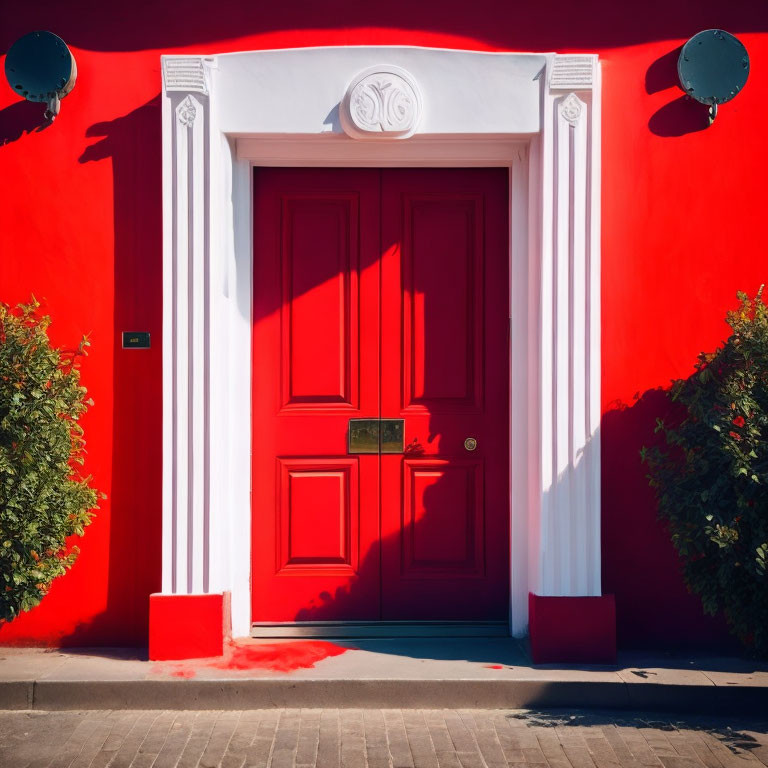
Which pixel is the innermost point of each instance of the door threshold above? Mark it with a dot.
(382, 629)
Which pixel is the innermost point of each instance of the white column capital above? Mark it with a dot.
(573, 72)
(187, 74)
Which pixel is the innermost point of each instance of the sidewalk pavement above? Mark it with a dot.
(372, 738)
(407, 673)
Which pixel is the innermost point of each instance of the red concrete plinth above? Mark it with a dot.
(572, 629)
(188, 626)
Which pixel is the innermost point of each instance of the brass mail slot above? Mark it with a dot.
(363, 435)
(392, 435)
(376, 435)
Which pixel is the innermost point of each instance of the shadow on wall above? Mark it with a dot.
(20, 118)
(640, 566)
(600, 23)
(653, 607)
(683, 114)
(434, 529)
(132, 142)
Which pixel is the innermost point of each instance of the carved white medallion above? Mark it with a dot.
(186, 112)
(571, 107)
(381, 102)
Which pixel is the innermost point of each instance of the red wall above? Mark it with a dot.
(80, 226)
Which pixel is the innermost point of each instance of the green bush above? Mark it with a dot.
(710, 474)
(43, 498)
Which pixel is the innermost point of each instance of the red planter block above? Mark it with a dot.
(188, 626)
(572, 629)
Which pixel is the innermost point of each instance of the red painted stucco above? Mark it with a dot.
(575, 630)
(188, 626)
(80, 227)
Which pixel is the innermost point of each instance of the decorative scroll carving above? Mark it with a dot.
(382, 101)
(571, 108)
(186, 112)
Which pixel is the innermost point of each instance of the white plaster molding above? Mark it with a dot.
(299, 91)
(186, 369)
(572, 72)
(381, 102)
(431, 152)
(185, 74)
(538, 115)
(568, 526)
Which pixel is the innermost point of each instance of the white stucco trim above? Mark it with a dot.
(536, 114)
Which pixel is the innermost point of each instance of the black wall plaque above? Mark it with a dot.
(135, 340)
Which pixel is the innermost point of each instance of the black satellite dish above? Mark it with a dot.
(713, 67)
(40, 67)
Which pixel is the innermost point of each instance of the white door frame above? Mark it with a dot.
(536, 114)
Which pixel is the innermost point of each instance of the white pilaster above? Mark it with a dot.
(185, 327)
(567, 547)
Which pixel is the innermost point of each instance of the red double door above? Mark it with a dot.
(380, 294)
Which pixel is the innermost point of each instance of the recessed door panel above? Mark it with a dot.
(320, 299)
(442, 261)
(318, 515)
(443, 519)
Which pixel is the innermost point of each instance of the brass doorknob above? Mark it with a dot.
(470, 443)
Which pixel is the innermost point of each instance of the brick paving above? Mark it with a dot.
(349, 738)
